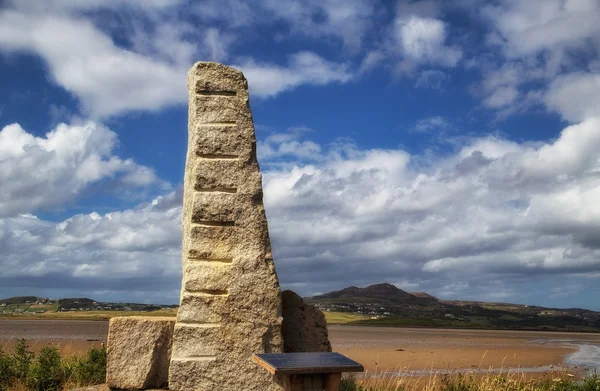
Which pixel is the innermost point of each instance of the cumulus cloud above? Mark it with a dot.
(44, 172)
(417, 37)
(132, 254)
(146, 69)
(494, 210)
(84, 60)
(423, 41)
(475, 223)
(528, 27)
(278, 146)
(267, 80)
(542, 42)
(576, 96)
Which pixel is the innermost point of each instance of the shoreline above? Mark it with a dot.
(102, 316)
(459, 350)
(396, 349)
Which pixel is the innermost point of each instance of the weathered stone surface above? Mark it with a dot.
(230, 298)
(104, 387)
(304, 326)
(138, 354)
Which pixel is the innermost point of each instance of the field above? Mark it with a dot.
(30, 308)
(343, 317)
(87, 315)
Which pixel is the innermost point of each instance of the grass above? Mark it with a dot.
(48, 371)
(30, 307)
(514, 381)
(343, 317)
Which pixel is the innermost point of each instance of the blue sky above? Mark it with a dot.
(451, 147)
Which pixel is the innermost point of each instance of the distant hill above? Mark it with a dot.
(83, 302)
(24, 300)
(33, 304)
(388, 305)
(424, 295)
(384, 294)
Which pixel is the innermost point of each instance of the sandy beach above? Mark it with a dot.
(377, 348)
(409, 349)
(70, 336)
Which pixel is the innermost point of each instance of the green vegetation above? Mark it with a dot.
(40, 308)
(20, 299)
(23, 371)
(343, 317)
(504, 382)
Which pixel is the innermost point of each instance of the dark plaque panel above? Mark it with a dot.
(309, 362)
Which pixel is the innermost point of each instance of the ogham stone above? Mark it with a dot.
(230, 297)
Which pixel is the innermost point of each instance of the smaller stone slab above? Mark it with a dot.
(138, 352)
(303, 363)
(304, 326)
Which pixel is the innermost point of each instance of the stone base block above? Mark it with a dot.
(139, 351)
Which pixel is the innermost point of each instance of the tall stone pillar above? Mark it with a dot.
(230, 296)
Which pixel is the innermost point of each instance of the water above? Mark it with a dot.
(587, 356)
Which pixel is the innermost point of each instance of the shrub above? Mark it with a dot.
(47, 373)
(50, 372)
(89, 370)
(6, 370)
(22, 359)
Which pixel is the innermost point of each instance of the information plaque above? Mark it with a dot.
(304, 363)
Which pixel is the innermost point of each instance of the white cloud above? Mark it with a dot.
(501, 97)
(107, 79)
(148, 70)
(417, 37)
(137, 251)
(346, 20)
(288, 145)
(266, 80)
(423, 41)
(432, 123)
(491, 213)
(432, 79)
(45, 172)
(528, 27)
(85, 5)
(576, 96)
(371, 60)
(217, 43)
(542, 43)
(494, 209)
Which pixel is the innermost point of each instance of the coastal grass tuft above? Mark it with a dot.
(461, 382)
(22, 370)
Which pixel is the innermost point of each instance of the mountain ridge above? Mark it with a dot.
(387, 304)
